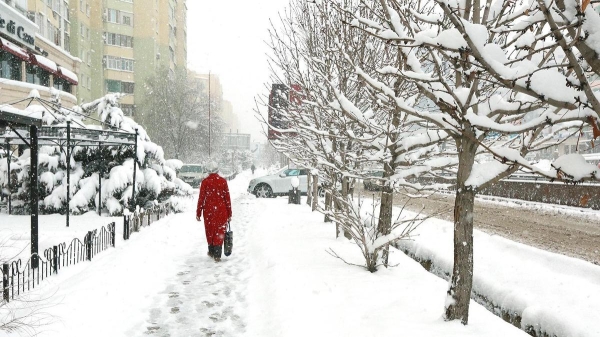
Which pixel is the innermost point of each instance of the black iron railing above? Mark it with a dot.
(133, 222)
(18, 278)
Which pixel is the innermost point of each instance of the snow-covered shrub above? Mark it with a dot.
(155, 178)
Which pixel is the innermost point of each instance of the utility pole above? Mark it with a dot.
(209, 123)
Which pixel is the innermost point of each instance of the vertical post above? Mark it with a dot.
(100, 191)
(209, 125)
(33, 185)
(8, 157)
(113, 234)
(135, 158)
(68, 171)
(5, 293)
(315, 191)
(125, 227)
(88, 244)
(55, 259)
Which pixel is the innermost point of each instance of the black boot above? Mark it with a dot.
(217, 253)
(210, 251)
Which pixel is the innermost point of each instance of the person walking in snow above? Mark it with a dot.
(215, 203)
(253, 168)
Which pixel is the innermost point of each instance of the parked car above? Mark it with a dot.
(278, 183)
(373, 184)
(192, 174)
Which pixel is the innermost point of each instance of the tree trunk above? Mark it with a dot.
(327, 205)
(384, 226)
(315, 188)
(339, 229)
(309, 192)
(459, 293)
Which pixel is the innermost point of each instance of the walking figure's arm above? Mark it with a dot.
(200, 206)
(227, 201)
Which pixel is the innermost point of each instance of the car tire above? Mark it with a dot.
(321, 192)
(263, 191)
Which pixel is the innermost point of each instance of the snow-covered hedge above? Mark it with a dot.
(155, 178)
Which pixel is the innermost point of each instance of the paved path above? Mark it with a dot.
(206, 298)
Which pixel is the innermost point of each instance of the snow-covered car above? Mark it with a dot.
(192, 174)
(278, 183)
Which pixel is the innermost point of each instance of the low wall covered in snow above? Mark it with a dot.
(582, 195)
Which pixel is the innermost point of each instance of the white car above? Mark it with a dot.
(192, 174)
(278, 183)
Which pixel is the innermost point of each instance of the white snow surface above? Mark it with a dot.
(280, 281)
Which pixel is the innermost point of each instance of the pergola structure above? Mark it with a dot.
(23, 129)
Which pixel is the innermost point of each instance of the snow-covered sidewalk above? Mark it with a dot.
(205, 298)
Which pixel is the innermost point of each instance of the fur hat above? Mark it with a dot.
(212, 166)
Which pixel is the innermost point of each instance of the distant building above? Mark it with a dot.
(123, 42)
(236, 141)
(34, 56)
(93, 47)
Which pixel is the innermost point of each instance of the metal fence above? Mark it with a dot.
(133, 222)
(18, 278)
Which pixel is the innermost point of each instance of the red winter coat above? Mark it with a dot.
(215, 202)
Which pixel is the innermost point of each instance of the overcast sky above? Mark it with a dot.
(228, 38)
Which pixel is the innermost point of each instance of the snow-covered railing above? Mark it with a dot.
(133, 222)
(18, 278)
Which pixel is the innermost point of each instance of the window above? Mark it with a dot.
(127, 87)
(81, 5)
(62, 84)
(10, 66)
(89, 82)
(37, 75)
(117, 63)
(128, 109)
(127, 20)
(87, 9)
(119, 40)
(118, 86)
(82, 30)
(292, 172)
(113, 86)
(117, 16)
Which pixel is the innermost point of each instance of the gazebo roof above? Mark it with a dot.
(17, 118)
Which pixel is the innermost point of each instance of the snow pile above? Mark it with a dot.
(155, 178)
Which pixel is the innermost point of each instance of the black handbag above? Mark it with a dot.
(228, 242)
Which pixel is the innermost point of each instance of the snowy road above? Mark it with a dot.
(565, 230)
(205, 298)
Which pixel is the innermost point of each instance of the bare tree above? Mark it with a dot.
(175, 113)
(482, 88)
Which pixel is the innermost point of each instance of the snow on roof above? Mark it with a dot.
(45, 63)
(36, 86)
(68, 75)
(13, 49)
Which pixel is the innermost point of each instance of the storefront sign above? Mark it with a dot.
(16, 26)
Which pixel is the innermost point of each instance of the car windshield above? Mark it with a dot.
(191, 169)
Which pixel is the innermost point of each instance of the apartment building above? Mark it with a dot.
(123, 42)
(34, 51)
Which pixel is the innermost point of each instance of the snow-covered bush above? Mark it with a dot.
(155, 178)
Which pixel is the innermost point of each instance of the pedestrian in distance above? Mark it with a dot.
(214, 203)
(253, 168)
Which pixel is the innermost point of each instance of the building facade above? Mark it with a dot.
(34, 51)
(123, 42)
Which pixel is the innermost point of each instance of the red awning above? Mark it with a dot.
(14, 49)
(44, 63)
(68, 75)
